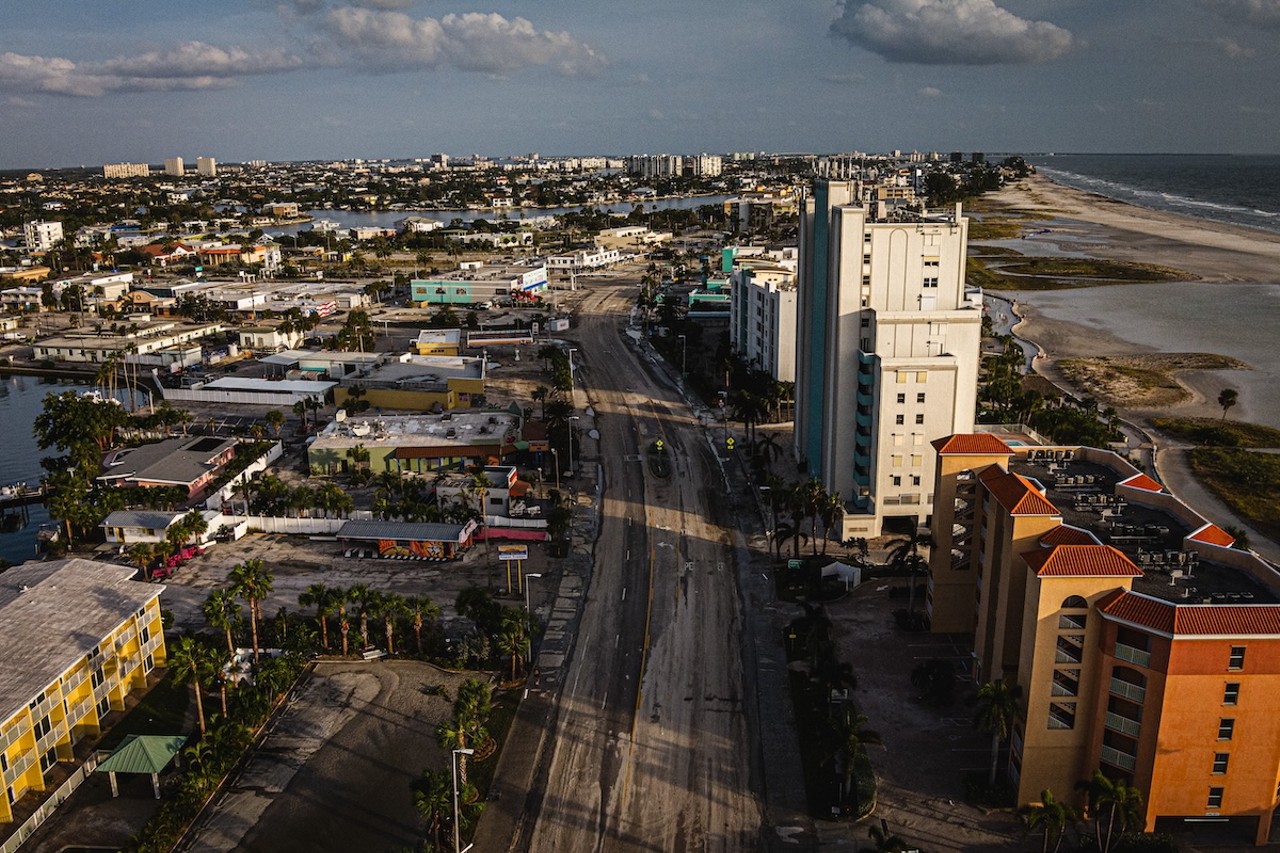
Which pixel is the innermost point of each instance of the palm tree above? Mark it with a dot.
(390, 606)
(433, 798)
(513, 637)
(341, 597)
(998, 707)
(540, 396)
(906, 557)
(1121, 805)
(321, 597)
(142, 553)
(222, 612)
(1055, 817)
(854, 737)
(192, 663)
(252, 582)
(830, 510)
(453, 735)
(1226, 399)
(275, 420)
(885, 841)
(362, 597)
(812, 496)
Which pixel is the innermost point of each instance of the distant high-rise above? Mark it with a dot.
(206, 167)
(174, 167)
(887, 352)
(126, 170)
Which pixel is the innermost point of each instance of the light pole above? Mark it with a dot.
(684, 356)
(572, 350)
(555, 455)
(568, 428)
(528, 609)
(457, 829)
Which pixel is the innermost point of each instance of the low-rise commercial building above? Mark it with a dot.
(416, 383)
(418, 444)
(192, 462)
(76, 637)
(476, 283)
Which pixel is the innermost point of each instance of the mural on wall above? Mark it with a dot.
(392, 548)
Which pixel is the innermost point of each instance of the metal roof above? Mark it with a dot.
(143, 754)
(420, 532)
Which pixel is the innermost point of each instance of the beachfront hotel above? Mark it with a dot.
(887, 350)
(1144, 644)
(76, 637)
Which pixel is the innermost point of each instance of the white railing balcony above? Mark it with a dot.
(1116, 758)
(1133, 655)
(1124, 725)
(1128, 691)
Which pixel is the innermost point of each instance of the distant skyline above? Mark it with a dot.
(109, 81)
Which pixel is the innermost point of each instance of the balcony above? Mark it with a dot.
(1133, 655)
(1125, 690)
(1116, 758)
(1123, 725)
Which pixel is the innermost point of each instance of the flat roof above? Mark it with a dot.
(267, 386)
(52, 614)
(468, 427)
(418, 532)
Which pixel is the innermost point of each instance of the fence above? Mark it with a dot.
(49, 806)
(218, 498)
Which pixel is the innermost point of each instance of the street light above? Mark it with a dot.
(684, 356)
(457, 834)
(568, 428)
(528, 609)
(572, 350)
(555, 455)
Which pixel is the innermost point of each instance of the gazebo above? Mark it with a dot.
(142, 754)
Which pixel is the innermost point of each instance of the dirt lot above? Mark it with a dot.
(334, 774)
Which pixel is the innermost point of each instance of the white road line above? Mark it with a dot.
(624, 593)
(616, 638)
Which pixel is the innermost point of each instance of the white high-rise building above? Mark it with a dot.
(707, 165)
(887, 351)
(762, 319)
(206, 167)
(174, 167)
(41, 236)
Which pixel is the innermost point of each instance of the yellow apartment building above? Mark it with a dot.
(1144, 644)
(76, 636)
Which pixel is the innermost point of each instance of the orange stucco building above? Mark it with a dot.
(1145, 646)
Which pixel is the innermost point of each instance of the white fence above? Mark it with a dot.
(218, 498)
(49, 806)
(280, 524)
(282, 399)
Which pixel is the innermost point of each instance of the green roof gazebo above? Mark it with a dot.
(142, 754)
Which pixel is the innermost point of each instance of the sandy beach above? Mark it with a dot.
(1229, 309)
(1171, 317)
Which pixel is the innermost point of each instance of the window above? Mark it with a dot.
(1220, 760)
(1226, 727)
(915, 479)
(146, 634)
(920, 397)
(931, 282)
(1231, 693)
(1236, 661)
(866, 236)
(42, 728)
(4, 762)
(902, 398)
(866, 257)
(922, 376)
(899, 419)
(149, 664)
(901, 377)
(896, 480)
(1215, 798)
(920, 419)
(917, 460)
(895, 459)
(96, 678)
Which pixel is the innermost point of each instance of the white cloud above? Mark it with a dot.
(1259, 13)
(949, 32)
(1232, 49)
(472, 42)
(191, 66)
(19, 103)
(930, 92)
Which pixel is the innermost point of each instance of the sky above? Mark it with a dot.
(83, 83)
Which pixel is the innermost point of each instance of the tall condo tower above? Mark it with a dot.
(887, 355)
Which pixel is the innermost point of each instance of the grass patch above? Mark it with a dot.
(1141, 380)
(1042, 273)
(161, 711)
(993, 252)
(1247, 482)
(994, 229)
(1213, 432)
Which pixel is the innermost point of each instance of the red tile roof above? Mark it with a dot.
(1081, 561)
(1141, 610)
(1187, 620)
(1212, 534)
(1016, 493)
(1065, 534)
(972, 444)
(1142, 481)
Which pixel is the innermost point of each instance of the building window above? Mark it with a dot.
(902, 398)
(146, 634)
(96, 678)
(920, 397)
(866, 236)
(1236, 661)
(895, 459)
(922, 376)
(4, 762)
(917, 460)
(931, 282)
(1226, 727)
(915, 479)
(1220, 760)
(920, 419)
(899, 419)
(866, 321)
(1062, 715)
(1231, 693)
(896, 480)
(1215, 798)
(901, 377)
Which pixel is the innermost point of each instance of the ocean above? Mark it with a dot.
(1235, 189)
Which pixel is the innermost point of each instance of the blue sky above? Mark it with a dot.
(94, 82)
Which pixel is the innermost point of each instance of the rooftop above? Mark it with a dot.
(52, 614)
(174, 460)
(448, 429)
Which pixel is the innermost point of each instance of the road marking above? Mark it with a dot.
(624, 589)
(616, 638)
(628, 554)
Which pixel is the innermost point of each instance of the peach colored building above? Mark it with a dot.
(1145, 645)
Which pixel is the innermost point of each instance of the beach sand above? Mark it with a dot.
(1069, 325)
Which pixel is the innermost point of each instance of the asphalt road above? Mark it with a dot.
(652, 749)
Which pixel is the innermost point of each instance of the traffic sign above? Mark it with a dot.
(728, 442)
(513, 552)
